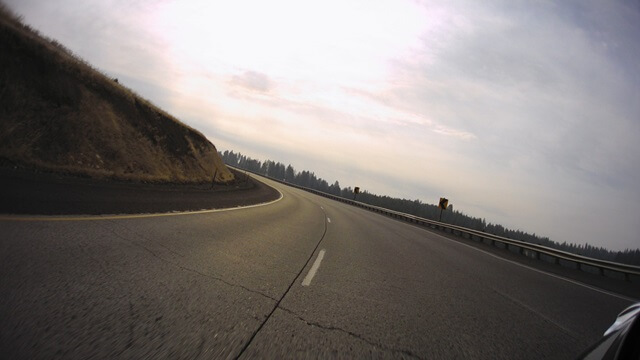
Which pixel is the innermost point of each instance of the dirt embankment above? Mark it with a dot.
(59, 114)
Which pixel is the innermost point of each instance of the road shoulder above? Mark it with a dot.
(26, 192)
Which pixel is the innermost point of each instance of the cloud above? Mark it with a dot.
(517, 84)
(253, 80)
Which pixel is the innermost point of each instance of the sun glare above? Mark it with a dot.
(329, 41)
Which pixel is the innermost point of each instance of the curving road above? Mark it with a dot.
(229, 284)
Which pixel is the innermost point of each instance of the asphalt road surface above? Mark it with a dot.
(301, 277)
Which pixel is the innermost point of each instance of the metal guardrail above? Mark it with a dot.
(524, 248)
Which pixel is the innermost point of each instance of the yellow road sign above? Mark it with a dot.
(444, 202)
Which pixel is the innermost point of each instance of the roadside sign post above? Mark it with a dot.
(443, 206)
(213, 180)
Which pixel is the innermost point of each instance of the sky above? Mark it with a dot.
(525, 113)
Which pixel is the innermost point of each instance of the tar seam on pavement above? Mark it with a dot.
(277, 305)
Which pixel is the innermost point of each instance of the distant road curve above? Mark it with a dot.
(26, 192)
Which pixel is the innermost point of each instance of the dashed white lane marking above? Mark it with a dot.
(321, 208)
(314, 269)
(329, 220)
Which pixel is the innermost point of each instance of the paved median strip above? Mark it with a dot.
(314, 269)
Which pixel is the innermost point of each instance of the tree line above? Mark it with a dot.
(278, 170)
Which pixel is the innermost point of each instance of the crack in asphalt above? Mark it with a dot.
(352, 334)
(132, 242)
(277, 305)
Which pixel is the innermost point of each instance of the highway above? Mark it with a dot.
(301, 277)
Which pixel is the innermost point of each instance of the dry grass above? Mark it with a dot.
(57, 113)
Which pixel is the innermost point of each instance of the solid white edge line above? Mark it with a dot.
(622, 297)
(314, 269)
(131, 216)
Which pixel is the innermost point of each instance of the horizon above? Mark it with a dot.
(523, 114)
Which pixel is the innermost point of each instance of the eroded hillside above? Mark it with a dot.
(59, 114)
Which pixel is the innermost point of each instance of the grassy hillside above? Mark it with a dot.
(59, 114)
